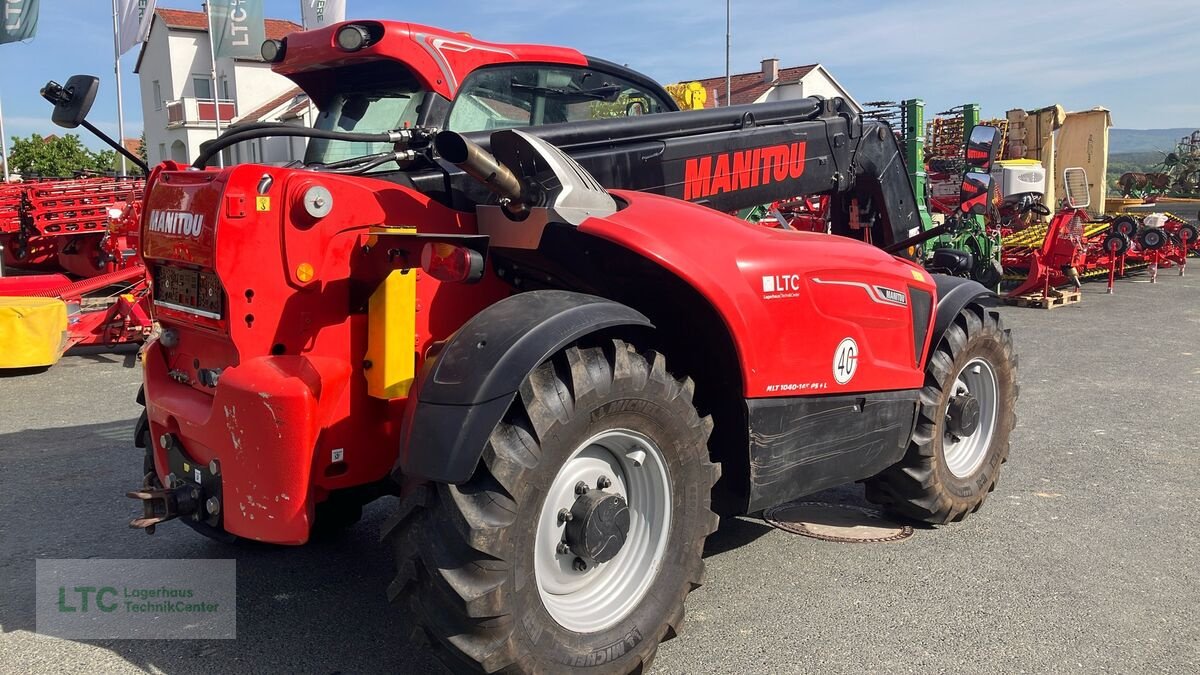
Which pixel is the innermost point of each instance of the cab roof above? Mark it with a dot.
(439, 58)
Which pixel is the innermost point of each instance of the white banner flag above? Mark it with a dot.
(321, 13)
(133, 20)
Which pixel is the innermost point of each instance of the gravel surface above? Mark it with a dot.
(1083, 560)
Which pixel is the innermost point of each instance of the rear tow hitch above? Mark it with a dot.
(160, 504)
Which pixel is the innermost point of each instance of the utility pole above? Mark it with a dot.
(117, 70)
(728, 31)
(212, 45)
(3, 146)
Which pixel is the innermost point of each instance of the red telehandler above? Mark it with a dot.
(485, 291)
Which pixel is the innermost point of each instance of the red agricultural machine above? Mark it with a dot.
(1074, 247)
(106, 309)
(486, 292)
(63, 224)
(82, 234)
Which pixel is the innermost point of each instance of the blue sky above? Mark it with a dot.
(1138, 58)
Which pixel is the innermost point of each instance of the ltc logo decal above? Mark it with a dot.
(781, 286)
(845, 360)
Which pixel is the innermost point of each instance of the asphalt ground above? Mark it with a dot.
(1083, 560)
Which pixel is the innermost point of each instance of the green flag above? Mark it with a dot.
(18, 20)
(238, 29)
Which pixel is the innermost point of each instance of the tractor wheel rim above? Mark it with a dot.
(596, 598)
(964, 455)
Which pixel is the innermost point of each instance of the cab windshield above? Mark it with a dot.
(363, 112)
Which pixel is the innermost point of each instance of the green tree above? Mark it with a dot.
(109, 160)
(56, 156)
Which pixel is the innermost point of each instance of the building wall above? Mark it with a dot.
(784, 92)
(815, 83)
(253, 83)
(155, 68)
(174, 58)
(187, 59)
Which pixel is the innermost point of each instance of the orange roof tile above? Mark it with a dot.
(183, 19)
(747, 87)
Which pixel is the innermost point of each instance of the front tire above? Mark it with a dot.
(495, 577)
(947, 473)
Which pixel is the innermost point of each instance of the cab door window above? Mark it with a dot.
(504, 97)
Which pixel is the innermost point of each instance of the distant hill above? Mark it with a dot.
(1144, 140)
(1135, 162)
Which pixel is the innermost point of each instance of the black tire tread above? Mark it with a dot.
(911, 488)
(448, 539)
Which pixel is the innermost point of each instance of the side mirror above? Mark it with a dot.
(72, 101)
(975, 196)
(982, 148)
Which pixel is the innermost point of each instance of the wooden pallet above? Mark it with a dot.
(1036, 300)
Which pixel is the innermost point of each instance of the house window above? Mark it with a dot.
(202, 87)
(225, 88)
(162, 151)
(158, 102)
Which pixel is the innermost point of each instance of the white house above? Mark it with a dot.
(180, 102)
(290, 107)
(775, 84)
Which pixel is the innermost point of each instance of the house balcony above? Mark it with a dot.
(199, 112)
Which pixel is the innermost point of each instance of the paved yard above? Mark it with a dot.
(1085, 559)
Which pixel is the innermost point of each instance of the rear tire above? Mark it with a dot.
(944, 477)
(472, 559)
(1125, 225)
(1152, 239)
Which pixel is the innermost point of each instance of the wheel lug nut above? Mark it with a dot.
(581, 488)
(579, 565)
(564, 516)
(603, 483)
(563, 549)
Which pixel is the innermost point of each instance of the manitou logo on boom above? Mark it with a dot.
(177, 223)
(733, 171)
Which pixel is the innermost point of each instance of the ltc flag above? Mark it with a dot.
(18, 21)
(133, 22)
(238, 29)
(321, 13)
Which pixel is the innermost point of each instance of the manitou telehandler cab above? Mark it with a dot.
(497, 292)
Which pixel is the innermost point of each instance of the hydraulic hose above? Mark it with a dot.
(287, 130)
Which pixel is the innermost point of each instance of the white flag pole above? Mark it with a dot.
(212, 45)
(117, 70)
(3, 146)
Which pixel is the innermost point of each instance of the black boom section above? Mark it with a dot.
(465, 389)
(730, 158)
(805, 444)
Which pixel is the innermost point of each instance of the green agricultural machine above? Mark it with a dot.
(935, 156)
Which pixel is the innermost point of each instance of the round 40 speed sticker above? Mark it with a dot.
(845, 360)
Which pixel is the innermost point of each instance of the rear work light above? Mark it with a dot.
(353, 37)
(447, 262)
(273, 51)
